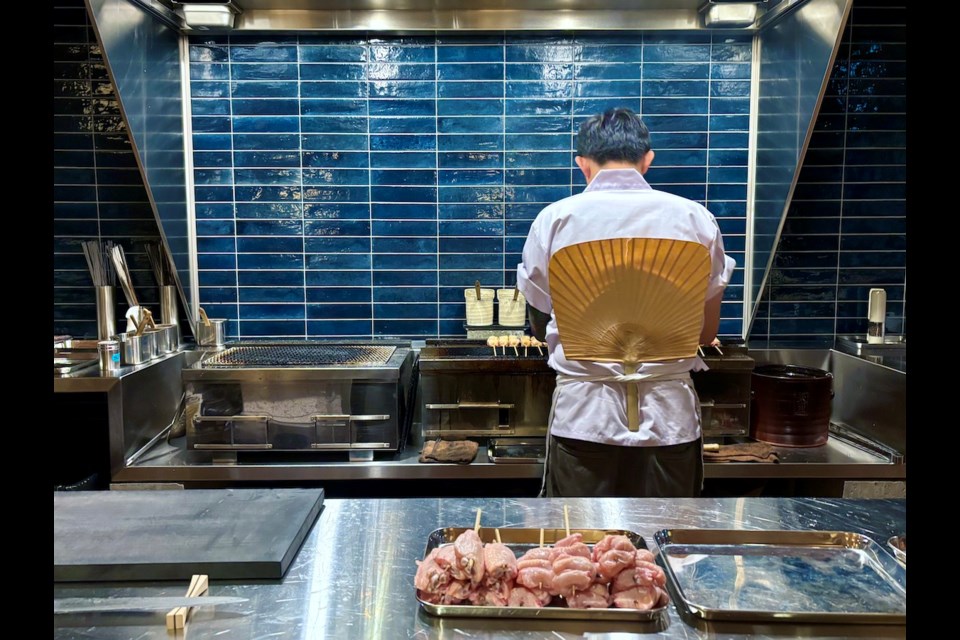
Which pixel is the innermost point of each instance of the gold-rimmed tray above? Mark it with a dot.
(520, 540)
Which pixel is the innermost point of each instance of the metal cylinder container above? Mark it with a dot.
(168, 305)
(106, 313)
(109, 351)
(168, 338)
(136, 349)
(213, 334)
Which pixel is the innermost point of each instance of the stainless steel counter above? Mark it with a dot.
(353, 577)
(93, 380)
(171, 463)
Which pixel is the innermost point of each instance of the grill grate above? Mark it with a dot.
(295, 355)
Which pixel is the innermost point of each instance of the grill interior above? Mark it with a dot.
(296, 355)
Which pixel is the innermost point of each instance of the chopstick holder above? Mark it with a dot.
(177, 618)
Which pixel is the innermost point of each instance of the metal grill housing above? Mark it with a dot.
(297, 355)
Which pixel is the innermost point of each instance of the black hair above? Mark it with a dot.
(616, 135)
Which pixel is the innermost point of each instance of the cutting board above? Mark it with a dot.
(238, 534)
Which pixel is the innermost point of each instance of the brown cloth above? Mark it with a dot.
(461, 451)
(747, 452)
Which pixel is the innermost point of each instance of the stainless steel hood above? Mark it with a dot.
(479, 15)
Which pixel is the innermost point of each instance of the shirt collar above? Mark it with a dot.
(617, 179)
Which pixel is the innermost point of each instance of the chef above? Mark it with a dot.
(590, 450)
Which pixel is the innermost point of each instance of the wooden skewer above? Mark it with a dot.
(541, 538)
(177, 618)
(516, 293)
(515, 350)
(717, 347)
(476, 523)
(566, 519)
(497, 532)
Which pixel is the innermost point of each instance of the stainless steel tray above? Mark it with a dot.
(73, 364)
(516, 451)
(777, 576)
(520, 540)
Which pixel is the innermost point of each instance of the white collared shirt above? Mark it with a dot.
(619, 203)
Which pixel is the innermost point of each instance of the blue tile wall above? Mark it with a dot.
(845, 231)
(98, 191)
(355, 186)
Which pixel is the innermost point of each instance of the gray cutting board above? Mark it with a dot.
(105, 536)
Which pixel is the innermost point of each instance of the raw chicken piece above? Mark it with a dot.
(644, 556)
(492, 596)
(500, 563)
(536, 578)
(613, 562)
(610, 542)
(568, 583)
(643, 598)
(569, 540)
(565, 563)
(537, 554)
(446, 559)
(469, 550)
(456, 592)
(430, 576)
(644, 574)
(595, 597)
(572, 545)
(524, 597)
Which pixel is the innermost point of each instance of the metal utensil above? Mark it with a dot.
(123, 274)
(86, 605)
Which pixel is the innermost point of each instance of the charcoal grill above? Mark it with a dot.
(301, 396)
(299, 355)
(466, 390)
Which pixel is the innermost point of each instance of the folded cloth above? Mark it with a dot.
(747, 452)
(462, 451)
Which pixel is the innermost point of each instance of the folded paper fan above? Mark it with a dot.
(630, 300)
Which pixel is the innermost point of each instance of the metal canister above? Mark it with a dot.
(109, 351)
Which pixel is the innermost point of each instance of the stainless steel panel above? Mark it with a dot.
(353, 576)
(142, 54)
(871, 400)
(796, 51)
(780, 576)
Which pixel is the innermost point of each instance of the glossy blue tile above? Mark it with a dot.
(263, 54)
(609, 53)
(470, 53)
(675, 106)
(247, 246)
(675, 175)
(333, 107)
(403, 125)
(462, 177)
(458, 107)
(387, 107)
(203, 159)
(462, 72)
(275, 311)
(395, 262)
(336, 228)
(537, 160)
(383, 142)
(404, 278)
(215, 228)
(336, 244)
(468, 125)
(338, 294)
(522, 211)
(472, 228)
(209, 71)
(336, 210)
(472, 89)
(263, 278)
(208, 142)
(209, 89)
(405, 294)
(341, 89)
(470, 142)
(730, 105)
(469, 160)
(265, 142)
(333, 53)
(211, 108)
(271, 294)
(470, 261)
(403, 159)
(521, 107)
(540, 52)
(267, 176)
(201, 193)
(405, 327)
(389, 244)
(542, 124)
(539, 72)
(359, 177)
(338, 328)
(334, 142)
(402, 194)
(471, 194)
(472, 211)
(268, 210)
(404, 228)
(216, 261)
(338, 261)
(402, 177)
(492, 278)
(731, 52)
(266, 71)
(339, 311)
(211, 124)
(542, 142)
(341, 279)
(218, 278)
(405, 311)
(470, 245)
(336, 194)
(676, 53)
(208, 53)
(404, 89)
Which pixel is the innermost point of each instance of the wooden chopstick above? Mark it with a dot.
(177, 618)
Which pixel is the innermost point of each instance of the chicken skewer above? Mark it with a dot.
(492, 342)
(525, 343)
(513, 341)
(536, 343)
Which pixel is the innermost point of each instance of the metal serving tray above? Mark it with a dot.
(771, 576)
(520, 541)
(517, 451)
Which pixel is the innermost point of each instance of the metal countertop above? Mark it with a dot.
(353, 577)
(168, 463)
